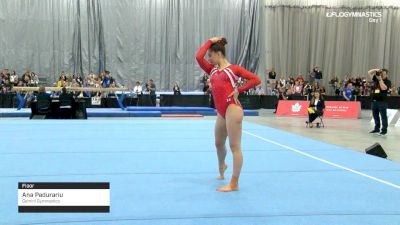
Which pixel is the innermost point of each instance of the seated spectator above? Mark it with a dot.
(79, 80)
(203, 80)
(61, 80)
(43, 102)
(26, 79)
(272, 74)
(308, 90)
(300, 79)
(207, 88)
(151, 88)
(2, 89)
(107, 80)
(289, 94)
(316, 108)
(251, 91)
(14, 78)
(366, 90)
(34, 79)
(66, 104)
(138, 90)
(291, 81)
(297, 88)
(7, 85)
(259, 90)
(283, 95)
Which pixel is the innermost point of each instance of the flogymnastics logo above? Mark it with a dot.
(373, 17)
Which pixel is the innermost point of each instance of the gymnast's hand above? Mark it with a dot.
(215, 39)
(235, 95)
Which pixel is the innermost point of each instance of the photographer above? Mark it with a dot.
(379, 94)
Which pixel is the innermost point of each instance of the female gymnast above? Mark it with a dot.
(225, 91)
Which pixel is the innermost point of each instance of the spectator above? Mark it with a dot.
(137, 89)
(66, 104)
(176, 89)
(204, 80)
(151, 88)
(300, 79)
(311, 75)
(34, 79)
(297, 88)
(348, 92)
(43, 102)
(259, 90)
(318, 74)
(307, 90)
(26, 79)
(2, 89)
(14, 78)
(283, 95)
(107, 80)
(207, 91)
(272, 74)
(7, 85)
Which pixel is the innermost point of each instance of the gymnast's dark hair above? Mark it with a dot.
(219, 46)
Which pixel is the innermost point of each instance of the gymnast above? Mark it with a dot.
(225, 91)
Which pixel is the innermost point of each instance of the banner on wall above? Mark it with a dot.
(333, 109)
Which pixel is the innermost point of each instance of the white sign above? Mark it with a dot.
(63, 197)
(96, 101)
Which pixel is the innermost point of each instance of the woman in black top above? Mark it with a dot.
(316, 108)
(177, 90)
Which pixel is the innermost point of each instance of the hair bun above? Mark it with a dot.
(223, 41)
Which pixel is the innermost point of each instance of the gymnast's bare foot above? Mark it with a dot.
(232, 186)
(228, 188)
(222, 172)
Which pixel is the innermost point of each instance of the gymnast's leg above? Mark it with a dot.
(234, 118)
(220, 139)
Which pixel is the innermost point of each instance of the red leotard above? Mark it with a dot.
(224, 81)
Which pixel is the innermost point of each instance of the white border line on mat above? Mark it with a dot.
(324, 161)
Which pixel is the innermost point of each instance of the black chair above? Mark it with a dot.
(66, 106)
(43, 109)
(321, 121)
(318, 124)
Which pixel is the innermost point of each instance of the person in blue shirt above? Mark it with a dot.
(107, 80)
(348, 92)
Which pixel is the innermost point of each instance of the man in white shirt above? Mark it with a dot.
(138, 91)
(138, 88)
(14, 78)
(259, 90)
